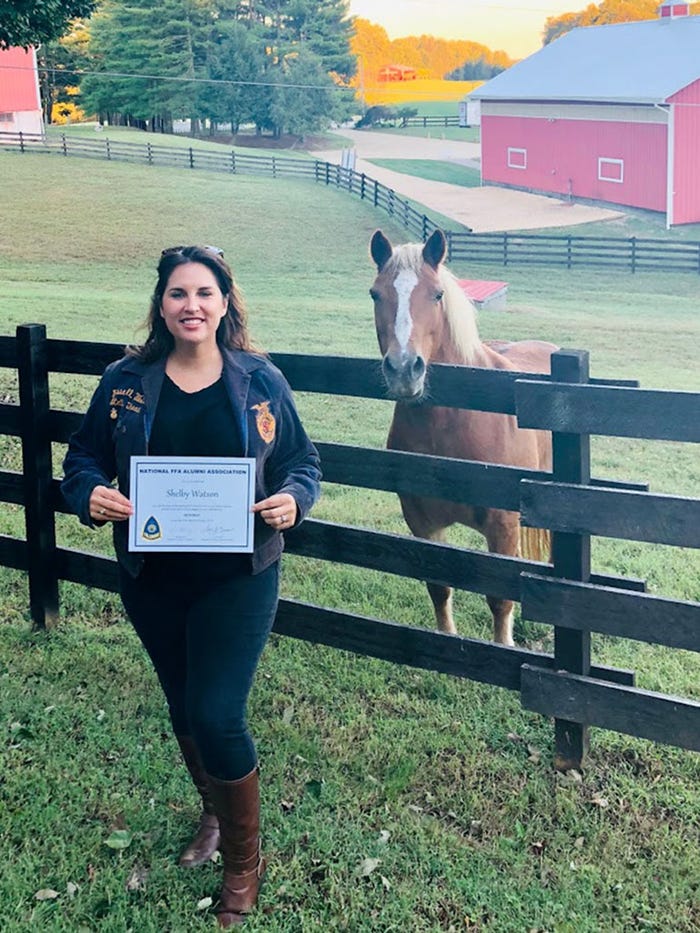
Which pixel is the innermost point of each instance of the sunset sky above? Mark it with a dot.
(512, 25)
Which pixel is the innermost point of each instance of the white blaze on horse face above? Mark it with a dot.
(404, 283)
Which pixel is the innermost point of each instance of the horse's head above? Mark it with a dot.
(408, 314)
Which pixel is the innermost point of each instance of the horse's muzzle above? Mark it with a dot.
(405, 377)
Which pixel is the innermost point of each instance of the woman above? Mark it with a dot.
(198, 388)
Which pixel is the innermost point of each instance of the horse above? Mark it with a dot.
(423, 316)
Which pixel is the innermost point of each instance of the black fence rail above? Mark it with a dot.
(565, 594)
(634, 254)
(435, 120)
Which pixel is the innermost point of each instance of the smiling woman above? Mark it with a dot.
(197, 388)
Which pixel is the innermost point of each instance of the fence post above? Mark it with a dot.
(149, 154)
(424, 233)
(505, 249)
(448, 237)
(33, 373)
(363, 182)
(109, 154)
(274, 168)
(568, 252)
(328, 173)
(571, 556)
(21, 141)
(63, 144)
(233, 161)
(633, 253)
(191, 157)
(376, 196)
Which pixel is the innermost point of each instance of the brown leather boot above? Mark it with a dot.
(207, 838)
(237, 804)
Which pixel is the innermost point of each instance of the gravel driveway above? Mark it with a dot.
(486, 209)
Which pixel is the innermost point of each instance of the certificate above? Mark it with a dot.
(192, 504)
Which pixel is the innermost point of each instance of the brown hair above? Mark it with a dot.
(232, 331)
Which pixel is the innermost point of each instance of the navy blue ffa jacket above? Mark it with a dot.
(117, 426)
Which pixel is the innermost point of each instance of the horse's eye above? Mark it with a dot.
(438, 296)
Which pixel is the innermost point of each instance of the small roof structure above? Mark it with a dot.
(484, 294)
(644, 62)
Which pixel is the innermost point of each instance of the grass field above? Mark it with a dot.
(425, 93)
(450, 172)
(394, 799)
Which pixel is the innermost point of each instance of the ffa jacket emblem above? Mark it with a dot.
(151, 530)
(265, 421)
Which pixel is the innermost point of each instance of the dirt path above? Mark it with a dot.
(486, 209)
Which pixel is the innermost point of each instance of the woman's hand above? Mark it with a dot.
(109, 505)
(278, 511)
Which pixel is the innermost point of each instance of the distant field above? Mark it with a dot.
(425, 91)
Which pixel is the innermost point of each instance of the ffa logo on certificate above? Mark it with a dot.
(151, 530)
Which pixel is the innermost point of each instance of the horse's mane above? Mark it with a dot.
(459, 310)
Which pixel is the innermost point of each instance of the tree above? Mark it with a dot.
(60, 63)
(28, 22)
(161, 40)
(305, 98)
(235, 55)
(479, 69)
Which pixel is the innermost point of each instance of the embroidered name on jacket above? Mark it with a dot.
(129, 399)
(265, 421)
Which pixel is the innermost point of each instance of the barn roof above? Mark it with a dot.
(641, 62)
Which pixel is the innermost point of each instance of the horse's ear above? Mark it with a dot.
(380, 249)
(435, 249)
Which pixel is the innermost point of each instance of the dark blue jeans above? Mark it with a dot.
(205, 639)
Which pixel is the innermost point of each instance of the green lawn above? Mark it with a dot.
(431, 169)
(178, 141)
(394, 799)
(466, 134)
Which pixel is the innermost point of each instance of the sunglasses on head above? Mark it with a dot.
(217, 251)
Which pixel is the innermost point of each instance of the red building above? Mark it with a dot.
(20, 105)
(607, 113)
(397, 73)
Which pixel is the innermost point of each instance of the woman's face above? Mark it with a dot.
(192, 305)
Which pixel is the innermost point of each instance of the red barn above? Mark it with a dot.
(20, 105)
(397, 73)
(608, 113)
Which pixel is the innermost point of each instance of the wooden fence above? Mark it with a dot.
(634, 254)
(566, 594)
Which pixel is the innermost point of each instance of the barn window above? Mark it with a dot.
(7, 117)
(517, 158)
(611, 170)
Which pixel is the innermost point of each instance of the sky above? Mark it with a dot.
(512, 25)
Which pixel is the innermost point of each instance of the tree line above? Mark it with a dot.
(283, 65)
(601, 14)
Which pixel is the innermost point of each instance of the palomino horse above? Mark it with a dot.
(422, 317)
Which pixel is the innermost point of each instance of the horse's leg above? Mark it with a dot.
(417, 514)
(442, 604)
(502, 533)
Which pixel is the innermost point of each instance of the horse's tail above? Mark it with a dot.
(535, 544)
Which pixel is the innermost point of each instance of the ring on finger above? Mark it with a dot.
(103, 511)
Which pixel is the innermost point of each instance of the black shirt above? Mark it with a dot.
(196, 424)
